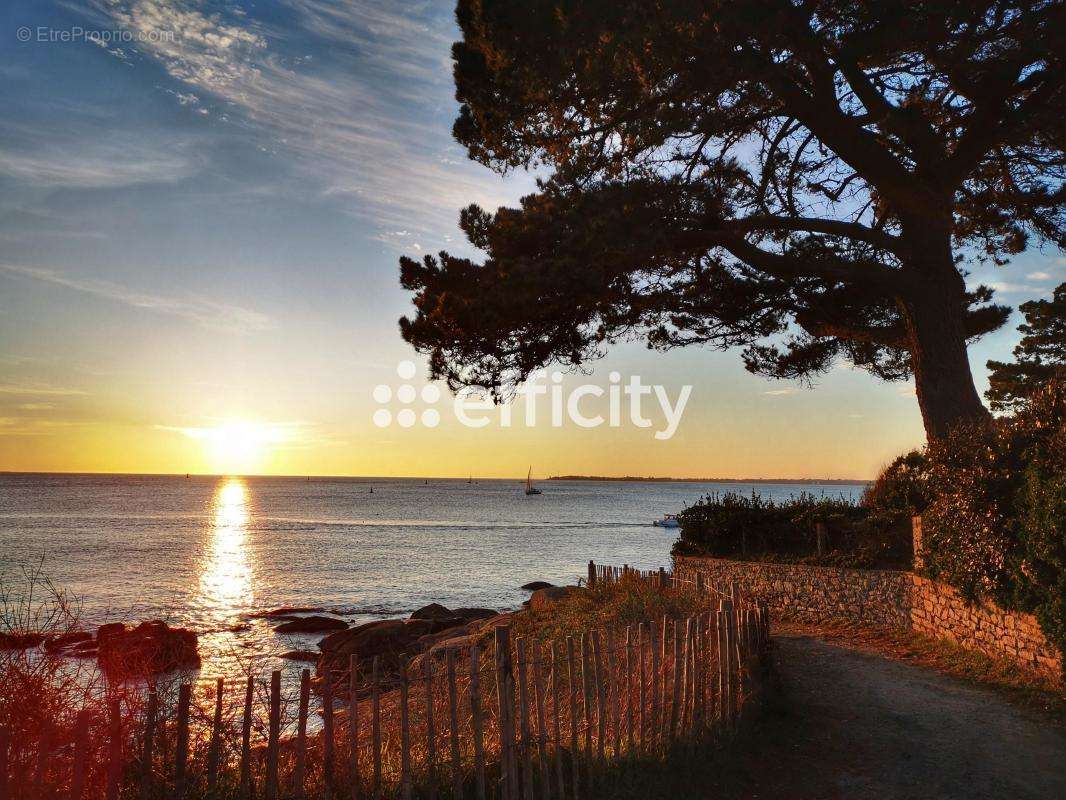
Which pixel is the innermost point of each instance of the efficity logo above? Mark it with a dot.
(539, 400)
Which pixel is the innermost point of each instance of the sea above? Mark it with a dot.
(211, 552)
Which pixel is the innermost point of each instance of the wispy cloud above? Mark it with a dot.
(353, 114)
(208, 313)
(781, 392)
(40, 390)
(1038, 276)
(111, 162)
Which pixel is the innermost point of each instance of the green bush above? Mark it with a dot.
(996, 526)
(901, 488)
(733, 525)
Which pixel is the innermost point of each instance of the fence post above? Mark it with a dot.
(329, 769)
(656, 664)
(662, 578)
(820, 535)
(148, 746)
(375, 722)
(181, 750)
(273, 735)
(431, 728)
(114, 765)
(353, 725)
(542, 721)
(475, 721)
(642, 684)
(572, 678)
(675, 700)
(215, 748)
(600, 682)
(586, 688)
(301, 732)
(81, 756)
(523, 721)
(556, 740)
(453, 725)
(246, 739)
(629, 688)
(505, 696)
(405, 736)
(725, 662)
(614, 703)
(592, 573)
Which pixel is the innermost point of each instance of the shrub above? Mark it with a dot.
(997, 524)
(747, 526)
(901, 488)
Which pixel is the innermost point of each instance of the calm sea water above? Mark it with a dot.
(205, 552)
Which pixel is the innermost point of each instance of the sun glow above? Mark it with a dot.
(240, 446)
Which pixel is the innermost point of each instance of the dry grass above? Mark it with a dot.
(608, 609)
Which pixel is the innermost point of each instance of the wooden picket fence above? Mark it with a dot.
(511, 718)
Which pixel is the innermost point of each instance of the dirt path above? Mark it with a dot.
(856, 725)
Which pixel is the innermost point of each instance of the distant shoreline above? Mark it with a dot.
(371, 478)
(640, 479)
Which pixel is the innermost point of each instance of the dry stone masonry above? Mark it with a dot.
(888, 598)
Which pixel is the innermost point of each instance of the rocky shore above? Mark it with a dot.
(122, 651)
(132, 651)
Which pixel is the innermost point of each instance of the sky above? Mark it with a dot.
(202, 205)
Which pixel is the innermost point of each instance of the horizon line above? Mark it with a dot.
(591, 478)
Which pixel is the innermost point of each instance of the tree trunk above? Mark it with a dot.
(933, 315)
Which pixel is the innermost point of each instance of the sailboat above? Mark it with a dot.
(530, 488)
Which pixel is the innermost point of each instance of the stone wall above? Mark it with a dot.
(887, 598)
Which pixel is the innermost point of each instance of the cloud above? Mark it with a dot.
(208, 313)
(1038, 276)
(362, 121)
(40, 390)
(111, 162)
(781, 392)
(1006, 287)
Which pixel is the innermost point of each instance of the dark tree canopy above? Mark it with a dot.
(1039, 357)
(792, 178)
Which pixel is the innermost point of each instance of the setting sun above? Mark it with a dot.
(239, 446)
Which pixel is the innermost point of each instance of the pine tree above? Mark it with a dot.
(797, 179)
(1039, 357)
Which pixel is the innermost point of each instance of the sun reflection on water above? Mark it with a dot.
(225, 574)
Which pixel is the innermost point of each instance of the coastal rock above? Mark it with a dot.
(20, 641)
(312, 625)
(285, 611)
(54, 644)
(429, 641)
(454, 642)
(474, 614)
(496, 620)
(543, 599)
(387, 637)
(432, 611)
(149, 648)
(534, 585)
(300, 655)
